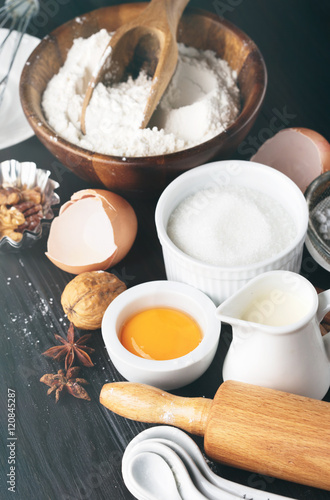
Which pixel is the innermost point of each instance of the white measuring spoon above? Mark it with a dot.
(207, 487)
(210, 490)
(143, 457)
(183, 467)
(150, 478)
(189, 446)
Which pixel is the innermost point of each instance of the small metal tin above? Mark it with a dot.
(16, 174)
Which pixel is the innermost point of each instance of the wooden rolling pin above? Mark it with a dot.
(261, 430)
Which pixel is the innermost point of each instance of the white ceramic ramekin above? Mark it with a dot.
(217, 282)
(173, 373)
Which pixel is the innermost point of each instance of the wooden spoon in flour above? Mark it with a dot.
(147, 42)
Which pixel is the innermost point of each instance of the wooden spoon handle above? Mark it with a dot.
(173, 10)
(145, 403)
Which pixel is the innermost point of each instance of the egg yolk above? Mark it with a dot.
(160, 333)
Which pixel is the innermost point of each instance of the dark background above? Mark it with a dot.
(72, 449)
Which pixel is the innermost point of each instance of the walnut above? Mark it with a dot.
(35, 195)
(10, 220)
(9, 195)
(32, 213)
(88, 295)
(15, 200)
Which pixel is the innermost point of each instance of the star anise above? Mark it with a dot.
(71, 348)
(66, 382)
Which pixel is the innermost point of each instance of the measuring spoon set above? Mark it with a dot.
(164, 462)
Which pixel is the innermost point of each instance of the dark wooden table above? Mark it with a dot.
(73, 449)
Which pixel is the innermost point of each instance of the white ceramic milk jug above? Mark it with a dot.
(277, 341)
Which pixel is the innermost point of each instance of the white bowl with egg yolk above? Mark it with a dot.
(170, 373)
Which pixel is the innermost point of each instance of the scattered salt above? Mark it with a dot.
(230, 226)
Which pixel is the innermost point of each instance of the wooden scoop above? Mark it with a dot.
(265, 431)
(151, 39)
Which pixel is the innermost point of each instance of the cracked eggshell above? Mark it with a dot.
(95, 229)
(300, 153)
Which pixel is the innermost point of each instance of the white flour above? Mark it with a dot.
(201, 101)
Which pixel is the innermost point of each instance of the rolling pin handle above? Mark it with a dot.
(145, 403)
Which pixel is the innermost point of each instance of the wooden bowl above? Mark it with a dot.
(144, 175)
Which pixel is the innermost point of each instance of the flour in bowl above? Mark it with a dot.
(201, 101)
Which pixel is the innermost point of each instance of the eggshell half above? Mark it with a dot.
(300, 153)
(94, 230)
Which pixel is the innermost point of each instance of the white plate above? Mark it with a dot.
(14, 127)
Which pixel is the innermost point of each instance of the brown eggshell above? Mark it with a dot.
(99, 266)
(124, 225)
(300, 153)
